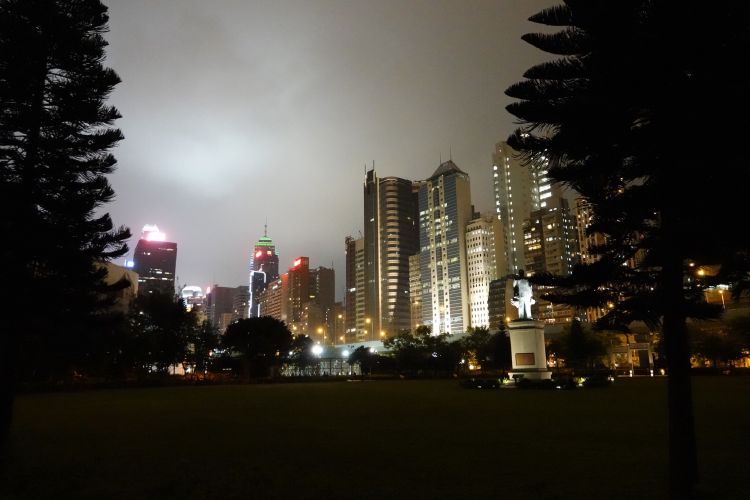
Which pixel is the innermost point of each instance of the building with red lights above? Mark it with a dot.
(264, 269)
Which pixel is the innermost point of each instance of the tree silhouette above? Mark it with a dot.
(622, 117)
(55, 142)
(579, 348)
(161, 329)
(204, 340)
(261, 342)
(301, 354)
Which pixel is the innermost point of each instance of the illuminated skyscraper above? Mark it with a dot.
(155, 260)
(391, 237)
(350, 294)
(444, 211)
(220, 304)
(322, 293)
(550, 241)
(519, 190)
(355, 289)
(264, 257)
(264, 268)
(486, 262)
(299, 288)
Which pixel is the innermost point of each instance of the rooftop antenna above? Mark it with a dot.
(441, 158)
(450, 149)
(265, 228)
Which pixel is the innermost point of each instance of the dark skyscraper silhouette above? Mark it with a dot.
(155, 260)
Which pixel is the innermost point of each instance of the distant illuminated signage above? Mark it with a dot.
(258, 254)
(297, 263)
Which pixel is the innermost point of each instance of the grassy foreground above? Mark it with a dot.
(398, 439)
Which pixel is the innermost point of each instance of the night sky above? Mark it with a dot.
(238, 111)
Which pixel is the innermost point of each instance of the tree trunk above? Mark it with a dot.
(8, 357)
(683, 462)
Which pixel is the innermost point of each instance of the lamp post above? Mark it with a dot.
(721, 294)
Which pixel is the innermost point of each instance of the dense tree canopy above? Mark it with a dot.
(262, 343)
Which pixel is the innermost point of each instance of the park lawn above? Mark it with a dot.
(397, 439)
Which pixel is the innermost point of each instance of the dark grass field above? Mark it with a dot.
(385, 439)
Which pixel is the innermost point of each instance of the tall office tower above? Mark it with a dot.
(241, 303)
(391, 236)
(519, 190)
(264, 268)
(220, 305)
(486, 262)
(339, 331)
(496, 302)
(323, 293)
(444, 211)
(195, 300)
(551, 241)
(258, 283)
(584, 217)
(299, 288)
(155, 260)
(415, 292)
(273, 300)
(350, 294)
(360, 280)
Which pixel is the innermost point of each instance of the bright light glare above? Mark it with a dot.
(151, 233)
(317, 349)
(345, 353)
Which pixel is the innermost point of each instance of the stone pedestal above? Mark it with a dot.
(527, 350)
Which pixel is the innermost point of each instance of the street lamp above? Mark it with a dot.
(721, 294)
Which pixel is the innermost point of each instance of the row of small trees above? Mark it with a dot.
(156, 335)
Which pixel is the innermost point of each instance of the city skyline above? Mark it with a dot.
(222, 131)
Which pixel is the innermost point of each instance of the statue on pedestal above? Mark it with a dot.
(522, 296)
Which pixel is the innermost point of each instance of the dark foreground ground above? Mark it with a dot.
(394, 439)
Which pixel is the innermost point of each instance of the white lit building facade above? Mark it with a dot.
(444, 211)
(485, 263)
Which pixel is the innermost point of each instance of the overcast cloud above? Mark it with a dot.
(238, 111)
